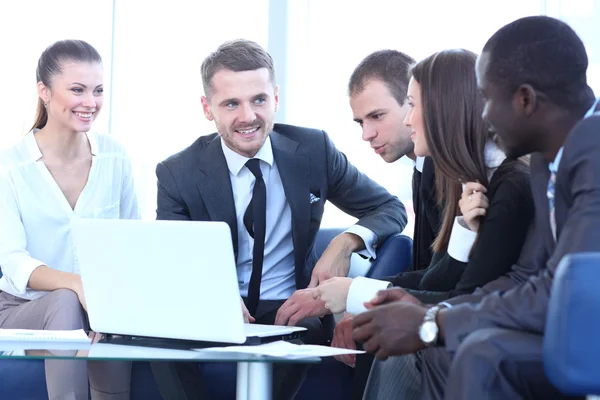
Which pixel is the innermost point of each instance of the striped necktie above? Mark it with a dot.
(550, 194)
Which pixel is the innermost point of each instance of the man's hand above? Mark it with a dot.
(342, 338)
(392, 295)
(302, 304)
(390, 330)
(335, 260)
(473, 204)
(247, 317)
(334, 292)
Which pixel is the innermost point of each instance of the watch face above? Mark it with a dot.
(428, 332)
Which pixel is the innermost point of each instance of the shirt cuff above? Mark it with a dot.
(362, 290)
(461, 240)
(21, 276)
(368, 236)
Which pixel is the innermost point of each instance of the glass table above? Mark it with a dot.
(254, 372)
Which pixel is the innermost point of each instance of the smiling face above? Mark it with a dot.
(243, 106)
(414, 119)
(74, 97)
(380, 117)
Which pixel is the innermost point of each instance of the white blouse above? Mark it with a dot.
(35, 216)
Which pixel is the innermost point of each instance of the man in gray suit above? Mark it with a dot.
(269, 182)
(532, 73)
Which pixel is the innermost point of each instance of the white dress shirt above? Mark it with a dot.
(35, 216)
(419, 162)
(278, 273)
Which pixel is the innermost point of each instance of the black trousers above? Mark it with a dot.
(362, 368)
(183, 381)
(490, 364)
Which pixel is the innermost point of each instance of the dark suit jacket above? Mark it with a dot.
(503, 232)
(194, 184)
(577, 211)
(427, 215)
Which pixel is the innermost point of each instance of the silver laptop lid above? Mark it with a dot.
(166, 279)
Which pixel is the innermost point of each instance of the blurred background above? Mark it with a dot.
(152, 51)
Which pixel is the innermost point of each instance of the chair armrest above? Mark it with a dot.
(572, 334)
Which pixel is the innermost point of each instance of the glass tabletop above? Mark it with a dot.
(131, 352)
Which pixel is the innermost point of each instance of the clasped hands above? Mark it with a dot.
(306, 303)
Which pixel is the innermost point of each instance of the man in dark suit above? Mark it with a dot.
(532, 73)
(377, 90)
(269, 182)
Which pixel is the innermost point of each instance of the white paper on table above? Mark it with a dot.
(285, 349)
(39, 335)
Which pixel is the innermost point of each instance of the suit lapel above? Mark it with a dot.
(540, 175)
(214, 185)
(294, 170)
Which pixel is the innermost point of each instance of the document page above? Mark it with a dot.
(286, 350)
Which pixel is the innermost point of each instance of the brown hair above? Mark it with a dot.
(454, 128)
(51, 64)
(236, 55)
(390, 66)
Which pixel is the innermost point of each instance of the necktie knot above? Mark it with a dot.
(253, 165)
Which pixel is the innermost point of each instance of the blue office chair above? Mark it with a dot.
(393, 257)
(571, 338)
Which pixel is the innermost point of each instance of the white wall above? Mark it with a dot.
(156, 85)
(27, 27)
(330, 38)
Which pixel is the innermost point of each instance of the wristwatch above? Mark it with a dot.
(428, 331)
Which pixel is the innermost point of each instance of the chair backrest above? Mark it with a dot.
(572, 334)
(393, 257)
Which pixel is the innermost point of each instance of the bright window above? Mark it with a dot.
(157, 84)
(330, 38)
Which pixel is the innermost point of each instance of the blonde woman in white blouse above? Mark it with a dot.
(56, 173)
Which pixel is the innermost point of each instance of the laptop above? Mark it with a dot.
(173, 280)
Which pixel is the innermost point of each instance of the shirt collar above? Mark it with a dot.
(235, 161)
(36, 154)
(32, 146)
(553, 166)
(493, 156)
(419, 163)
(592, 110)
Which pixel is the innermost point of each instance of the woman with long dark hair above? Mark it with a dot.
(470, 250)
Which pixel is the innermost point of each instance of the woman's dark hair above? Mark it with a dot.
(51, 63)
(455, 131)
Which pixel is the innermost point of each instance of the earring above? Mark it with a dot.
(45, 105)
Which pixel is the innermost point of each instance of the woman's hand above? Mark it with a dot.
(334, 292)
(473, 204)
(77, 287)
(248, 319)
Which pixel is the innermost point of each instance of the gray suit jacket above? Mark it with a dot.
(577, 211)
(194, 184)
